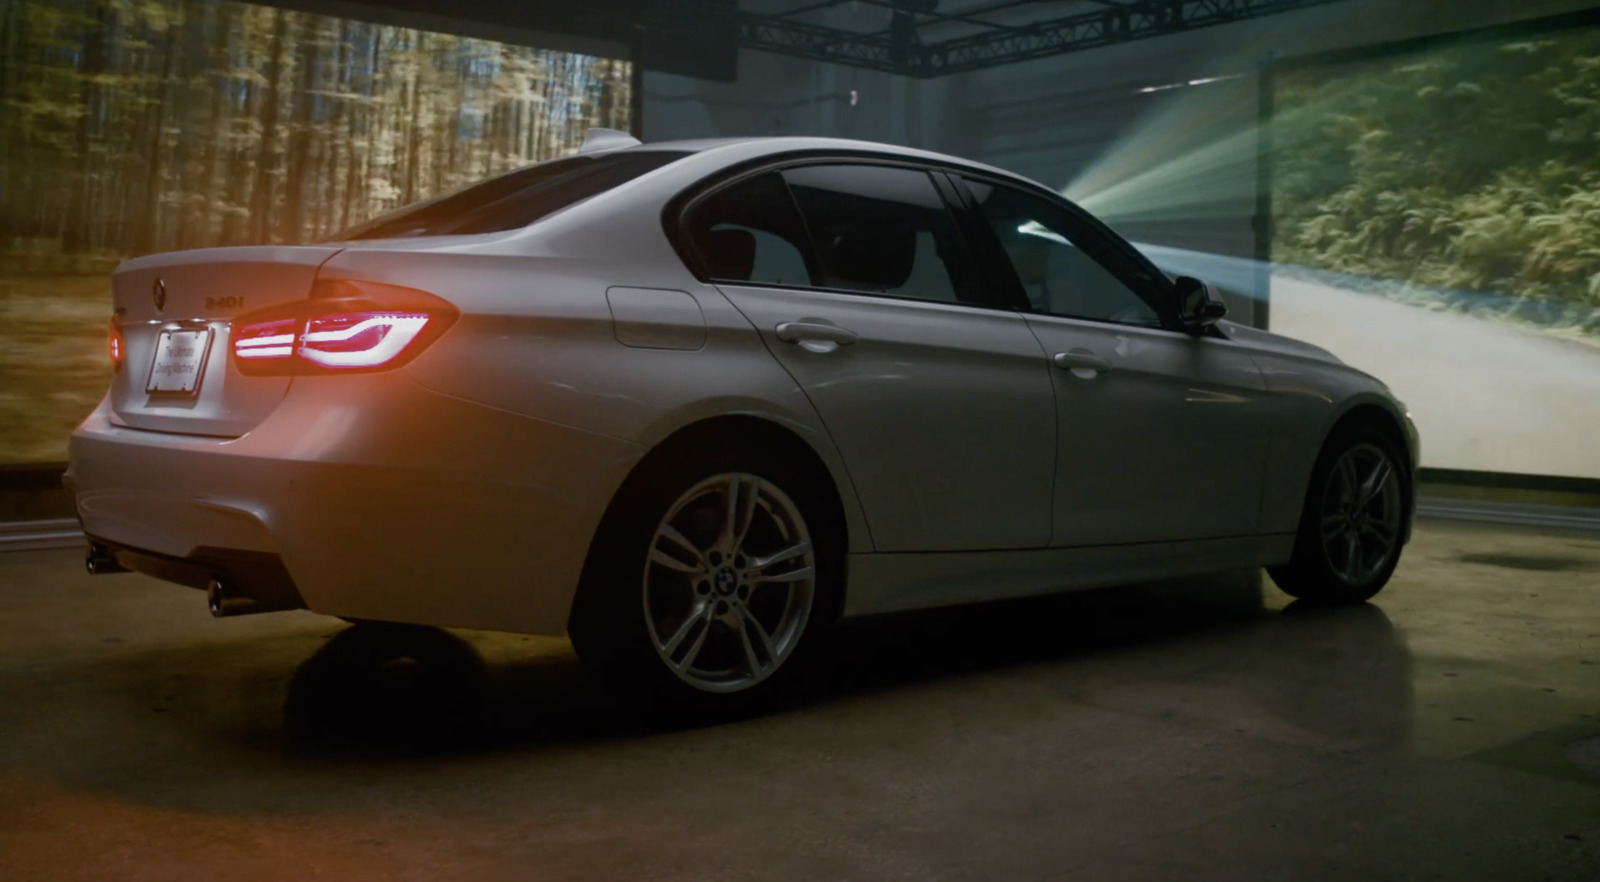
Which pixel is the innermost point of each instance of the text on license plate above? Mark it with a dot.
(180, 357)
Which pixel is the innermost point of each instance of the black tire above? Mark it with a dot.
(609, 626)
(1320, 571)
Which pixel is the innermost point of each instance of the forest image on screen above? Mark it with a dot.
(1436, 222)
(131, 127)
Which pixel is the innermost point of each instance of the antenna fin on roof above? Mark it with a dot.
(599, 139)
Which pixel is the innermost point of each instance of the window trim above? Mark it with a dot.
(997, 280)
(1160, 294)
(677, 209)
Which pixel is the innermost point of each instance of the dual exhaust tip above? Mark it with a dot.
(99, 561)
(223, 597)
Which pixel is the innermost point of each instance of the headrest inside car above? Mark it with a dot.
(729, 254)
(875, 256)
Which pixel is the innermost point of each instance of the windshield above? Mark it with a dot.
(515, 199)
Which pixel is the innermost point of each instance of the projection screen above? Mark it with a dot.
(138, 127)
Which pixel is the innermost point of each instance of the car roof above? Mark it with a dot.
(754, 148)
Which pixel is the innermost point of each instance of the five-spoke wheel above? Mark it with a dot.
(729, 583)
(708, 573)
(1354, 520)
(1362, 514)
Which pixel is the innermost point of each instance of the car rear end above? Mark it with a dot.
(173, 387)
(270, 435)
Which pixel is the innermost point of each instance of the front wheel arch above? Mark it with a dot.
(1310, 573)
(1385, 421)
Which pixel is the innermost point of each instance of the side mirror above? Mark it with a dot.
(1199, 304)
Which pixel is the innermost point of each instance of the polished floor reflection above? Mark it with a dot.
(1208, 730)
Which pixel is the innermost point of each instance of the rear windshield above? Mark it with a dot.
(515, 199)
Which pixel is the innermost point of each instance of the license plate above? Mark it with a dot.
(180, 356)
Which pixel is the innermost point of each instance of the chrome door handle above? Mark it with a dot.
(1081, 359)
(818, 332)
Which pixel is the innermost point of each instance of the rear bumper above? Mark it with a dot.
(378, 499)
(258, 576)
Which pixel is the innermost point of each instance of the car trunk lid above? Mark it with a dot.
(175, 312)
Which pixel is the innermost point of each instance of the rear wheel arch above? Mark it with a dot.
(733, 432)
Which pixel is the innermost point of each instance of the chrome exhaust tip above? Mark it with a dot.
(224, 600)
(216, 599)
(99, 561)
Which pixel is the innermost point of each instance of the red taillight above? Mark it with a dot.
(361, 339)
(265, 340)
(345, 326)
(114, 344)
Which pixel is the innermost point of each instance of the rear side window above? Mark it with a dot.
(751, 232)
(516, 199)
(883, 230)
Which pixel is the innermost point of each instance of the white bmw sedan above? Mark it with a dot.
(690, 403)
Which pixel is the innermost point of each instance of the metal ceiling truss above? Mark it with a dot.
(993, 36)
(819, 43)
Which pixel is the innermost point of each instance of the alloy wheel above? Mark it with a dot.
(729, 582)
(1361, 514)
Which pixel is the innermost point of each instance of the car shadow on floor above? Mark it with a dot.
(410, 689)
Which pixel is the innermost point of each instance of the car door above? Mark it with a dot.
(863, 289)
(1161, 433)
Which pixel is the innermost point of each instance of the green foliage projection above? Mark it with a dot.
(133, 126)
(1469, 169)
(136, 126)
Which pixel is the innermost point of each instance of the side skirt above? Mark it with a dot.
(882, 583)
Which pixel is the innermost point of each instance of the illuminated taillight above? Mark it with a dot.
(361, 339)
(274, 339)
(345, 326)
(115, 344)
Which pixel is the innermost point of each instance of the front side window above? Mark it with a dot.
(881, 229)
(1065, 265)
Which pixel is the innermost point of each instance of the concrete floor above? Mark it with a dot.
(1209, 731)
